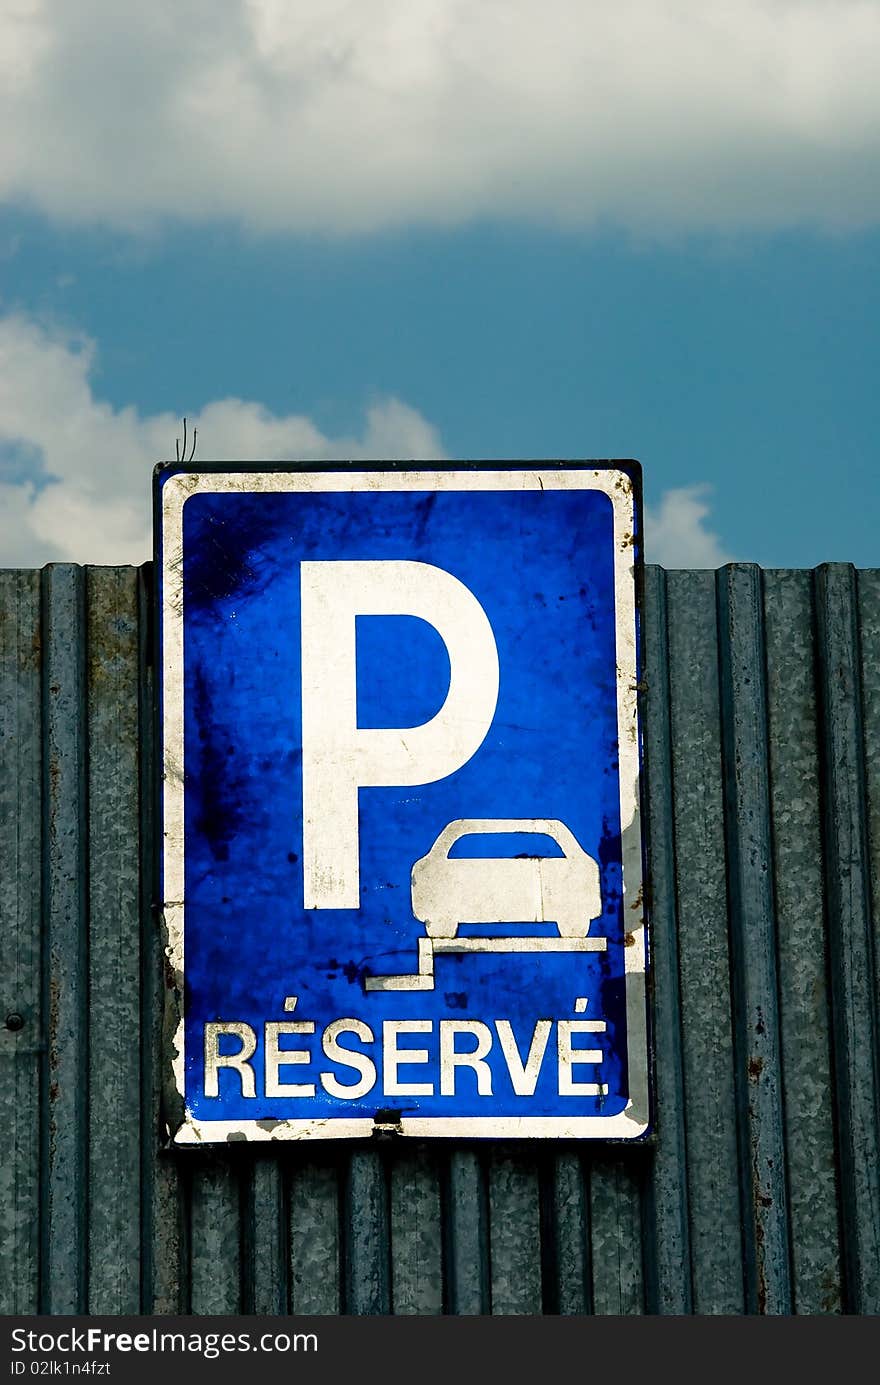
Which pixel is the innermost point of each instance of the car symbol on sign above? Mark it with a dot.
(518, 890)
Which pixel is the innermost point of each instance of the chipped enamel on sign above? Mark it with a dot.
(363, 943)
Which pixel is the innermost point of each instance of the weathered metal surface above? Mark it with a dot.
(712, 1170)
(568, 1236)
(616, 1226)
(21, 1008)
(315, 1237)
(535, 744)
(753, 937)
(760, 1191)
(66, 923)
(114, 1182)
(805, 1020)
(514, 1231)
(850, 932)
(367, 1284)
(416, 1243)
(668, 1243)
(467, 1245)
(267, 1243)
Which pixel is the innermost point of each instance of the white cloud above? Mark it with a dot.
(676, 533)
(89, 501)
(354, 114)
(75, 473)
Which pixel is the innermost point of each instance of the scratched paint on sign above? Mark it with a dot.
(402, 861)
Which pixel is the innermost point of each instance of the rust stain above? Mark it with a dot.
(756, 1067)
(54, 1089)
(830, 1294)
(54, 1001)
(762, 1290)
(759, 1256)
(31, 657)
(629, 940)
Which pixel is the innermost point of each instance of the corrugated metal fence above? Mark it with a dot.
(762, 1189)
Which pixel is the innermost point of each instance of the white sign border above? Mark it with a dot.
(631, 1124)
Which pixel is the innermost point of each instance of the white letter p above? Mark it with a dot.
(339, 758)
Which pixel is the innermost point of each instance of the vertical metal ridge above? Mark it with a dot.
(416, 1233)
(467, 1251)
(668, 1246)
(164, 1193)
(799, 885)
(616, 1233)
(868, 596)
(65, 809)
(315, 1223)
(266, 1288)
(712, 1171)
(114, 1185)
(22, 1019)
(366, 1238)
(850, 926)
(217, 1211)
(568, 1273)
(514, 1231)
(753, 936)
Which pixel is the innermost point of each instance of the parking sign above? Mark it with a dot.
(401, 868)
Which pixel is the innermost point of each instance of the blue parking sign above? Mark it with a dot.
(401, 864)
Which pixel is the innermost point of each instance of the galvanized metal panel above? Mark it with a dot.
(366, 1235)
(467, 1245)
(616, 1233)
(114, 1184)
(805, 1021)
(668, 1247)
(569, 1236)
(21, 1003)
(764, 1192)
(315, 1241)
(716, 1266)
(65, 837)
(416, 1234)
(266, 1239)
(164, 1208)
(514, 1232)
(851, 931)
(215, 1236)
(761, 1191)
(868, 596)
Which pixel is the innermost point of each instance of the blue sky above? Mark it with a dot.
(426, 228)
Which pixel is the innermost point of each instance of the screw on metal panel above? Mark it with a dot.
(14, 1022)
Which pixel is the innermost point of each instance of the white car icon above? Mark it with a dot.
(522, 889)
